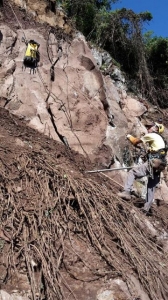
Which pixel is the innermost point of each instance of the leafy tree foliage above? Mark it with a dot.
(157, 59)
(120, 32)
(84, 12)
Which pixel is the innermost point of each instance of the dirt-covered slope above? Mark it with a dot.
(69, 236)
(64, 234)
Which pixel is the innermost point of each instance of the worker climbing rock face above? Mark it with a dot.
(156, 150)
(32, 55)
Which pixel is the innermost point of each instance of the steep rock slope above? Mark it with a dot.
(70, 237)
(79, 105)
(75, 105)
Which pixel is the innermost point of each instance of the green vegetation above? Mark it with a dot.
(142, 57)
(157, 60)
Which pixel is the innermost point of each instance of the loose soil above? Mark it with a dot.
(66, 232)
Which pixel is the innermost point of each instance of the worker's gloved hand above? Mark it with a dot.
(133, 139)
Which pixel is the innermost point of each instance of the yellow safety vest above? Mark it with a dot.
(31, 50)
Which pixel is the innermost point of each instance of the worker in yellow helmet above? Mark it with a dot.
(156, 162)
(32, 55)
(153, 138)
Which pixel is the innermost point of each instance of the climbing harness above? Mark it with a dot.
(150, 169)
(157, 161)
(32, 55)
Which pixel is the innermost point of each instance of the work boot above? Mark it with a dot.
(124, 195)
(145, 212)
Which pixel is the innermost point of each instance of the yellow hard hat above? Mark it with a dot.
(160, 126)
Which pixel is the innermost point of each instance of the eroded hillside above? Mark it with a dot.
(64, 233)
(68, 235)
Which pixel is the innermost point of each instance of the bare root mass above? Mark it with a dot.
(59, 221)
(48, 209)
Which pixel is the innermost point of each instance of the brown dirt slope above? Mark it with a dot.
(68, 230)
(64, 233)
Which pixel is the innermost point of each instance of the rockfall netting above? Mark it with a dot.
(47, 205)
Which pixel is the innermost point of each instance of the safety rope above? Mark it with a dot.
(49, 51)
(70, 85)
(68, 114)
(17, 20)
(102, 174)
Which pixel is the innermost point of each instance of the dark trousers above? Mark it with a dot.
(139, 172)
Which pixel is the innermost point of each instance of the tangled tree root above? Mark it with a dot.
(44, 207)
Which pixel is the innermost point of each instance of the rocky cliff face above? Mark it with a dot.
(79, 104)
(67, 97)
